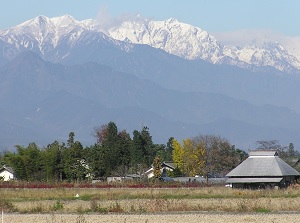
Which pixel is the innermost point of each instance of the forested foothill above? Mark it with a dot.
(117, 153)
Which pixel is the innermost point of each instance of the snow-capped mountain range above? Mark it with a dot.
(45, 35)
(51, 38)
(60, 75)
(191, 42)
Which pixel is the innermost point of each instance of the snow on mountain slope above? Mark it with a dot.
(269, 54)
(190, 42)
(41, 32)
(172, 36)
(44, 36)
(51, 38)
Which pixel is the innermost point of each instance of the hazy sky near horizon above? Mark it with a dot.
(227, 19)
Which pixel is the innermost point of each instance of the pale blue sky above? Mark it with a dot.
(281, 16)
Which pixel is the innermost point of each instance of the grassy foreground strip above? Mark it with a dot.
(147, 200)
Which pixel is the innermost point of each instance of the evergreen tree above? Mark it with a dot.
(111, 149)
(125, 143)
(160, 150)
(15, 161)
(95, 160)
(52, 162)
(148, 147)
(137, 151)
(73, 160)
(26, 163)
(169, 149)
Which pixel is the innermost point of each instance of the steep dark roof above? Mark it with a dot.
(168, 164)
(7, 168)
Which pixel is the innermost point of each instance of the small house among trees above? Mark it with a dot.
(163, 168)
(6, 173)
(262, 169)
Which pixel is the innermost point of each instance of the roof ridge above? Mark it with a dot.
(268, 166)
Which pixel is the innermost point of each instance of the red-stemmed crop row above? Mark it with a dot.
(134, 185)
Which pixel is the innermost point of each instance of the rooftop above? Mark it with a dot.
(263, 164)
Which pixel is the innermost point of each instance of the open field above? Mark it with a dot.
(155, 218)
(148, 200)
(199, 204)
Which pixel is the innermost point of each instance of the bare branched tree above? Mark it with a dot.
(268, 145)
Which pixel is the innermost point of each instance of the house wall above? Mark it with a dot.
(150, 173)
(238, 185)
(256, 185)
(6, 175)
(114, 179)
(287, 180)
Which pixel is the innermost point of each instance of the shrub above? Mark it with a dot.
(58, 206)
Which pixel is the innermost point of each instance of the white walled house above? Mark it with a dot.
(6, 173)
(164, 167)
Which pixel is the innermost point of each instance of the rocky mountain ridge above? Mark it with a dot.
(191, 42)
(43, 35)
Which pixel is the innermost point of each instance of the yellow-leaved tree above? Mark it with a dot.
(206, 155)
(193, 157)
(189, 157)
(177, 154)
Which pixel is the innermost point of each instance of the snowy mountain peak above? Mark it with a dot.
(41, 20)
(64, 21)
(264, 54)
(172, 36)
(172, 20)
(52, 38)
(38, 21)
(42, 34)
(42, 25)
(191, 42)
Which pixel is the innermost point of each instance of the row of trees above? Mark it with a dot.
(116, 153)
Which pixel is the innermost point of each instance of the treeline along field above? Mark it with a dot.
(116, 153)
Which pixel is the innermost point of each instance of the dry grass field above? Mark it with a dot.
(155, 218)
(202, 204)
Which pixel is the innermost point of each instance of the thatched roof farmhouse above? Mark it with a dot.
(262, 169)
